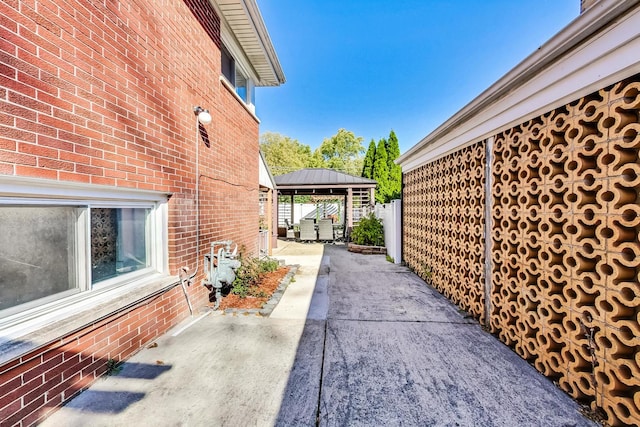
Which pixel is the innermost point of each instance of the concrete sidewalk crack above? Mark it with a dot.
(324, 346)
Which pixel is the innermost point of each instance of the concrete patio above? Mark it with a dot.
(354, 341)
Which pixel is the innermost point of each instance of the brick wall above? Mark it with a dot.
(111, 103)
(565, 257)
(103, 93)
(42, 380)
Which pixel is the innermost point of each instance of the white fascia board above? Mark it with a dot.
(233, 46)
(255, 24)
(266, 44)
(606, 58)
(266, 179)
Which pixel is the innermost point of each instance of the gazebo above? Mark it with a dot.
(357, 192)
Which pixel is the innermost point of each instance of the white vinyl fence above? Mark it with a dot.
(391, 216)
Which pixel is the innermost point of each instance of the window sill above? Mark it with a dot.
(231, 89)
(79, 312)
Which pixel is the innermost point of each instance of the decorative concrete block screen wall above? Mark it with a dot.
(565, 255)
(564, 242)
(443, 225)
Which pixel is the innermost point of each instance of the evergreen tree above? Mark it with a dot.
(381, 172)
(367, 168)
(395, 171)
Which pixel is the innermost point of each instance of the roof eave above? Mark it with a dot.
(264, 59)
(323, 186)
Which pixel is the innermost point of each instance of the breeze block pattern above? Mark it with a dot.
(443, 221)
(565, 251)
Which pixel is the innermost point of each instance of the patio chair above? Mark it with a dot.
(291, 234)
(325, 230)
(308, 230)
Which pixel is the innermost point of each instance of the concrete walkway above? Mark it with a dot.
(354, 341)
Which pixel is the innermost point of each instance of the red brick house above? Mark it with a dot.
(111, 190)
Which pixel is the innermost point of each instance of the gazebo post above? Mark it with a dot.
(274, 219)
(291, 212)
(348, 214)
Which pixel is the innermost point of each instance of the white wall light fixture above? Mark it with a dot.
(204, 117)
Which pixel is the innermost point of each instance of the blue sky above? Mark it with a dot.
(370, 66)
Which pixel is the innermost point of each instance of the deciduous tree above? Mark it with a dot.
(342, 152)
(283, 154)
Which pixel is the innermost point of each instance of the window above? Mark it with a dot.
(228, 66)
(119, 242)
(241, 86)
(52, 249)
(238, 79)
(37, 254)
(263, 199)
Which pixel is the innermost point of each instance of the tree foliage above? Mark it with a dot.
(284, 155)
(395, 171)
(342, 152)
(367, 166)
(381, 172)
(384, 169)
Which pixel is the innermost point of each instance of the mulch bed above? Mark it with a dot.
(267, 284)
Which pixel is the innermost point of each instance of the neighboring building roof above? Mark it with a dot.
(595, 50)
(245, 22)
(322, 178)
(266, 179)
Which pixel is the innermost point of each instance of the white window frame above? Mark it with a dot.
(88, 301)
(235, 52)
(154, 259)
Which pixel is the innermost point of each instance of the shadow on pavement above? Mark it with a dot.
(300, 399)
(143, 371)
(107, 402)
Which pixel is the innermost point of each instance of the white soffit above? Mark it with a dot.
(245, 22)
(597, 49)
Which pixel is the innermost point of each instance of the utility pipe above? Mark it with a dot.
(186, 277)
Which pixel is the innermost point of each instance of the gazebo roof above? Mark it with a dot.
(321, 179)
(320, 182)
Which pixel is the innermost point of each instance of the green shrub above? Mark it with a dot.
(268, 265)
(249, 274)
(369, 231)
